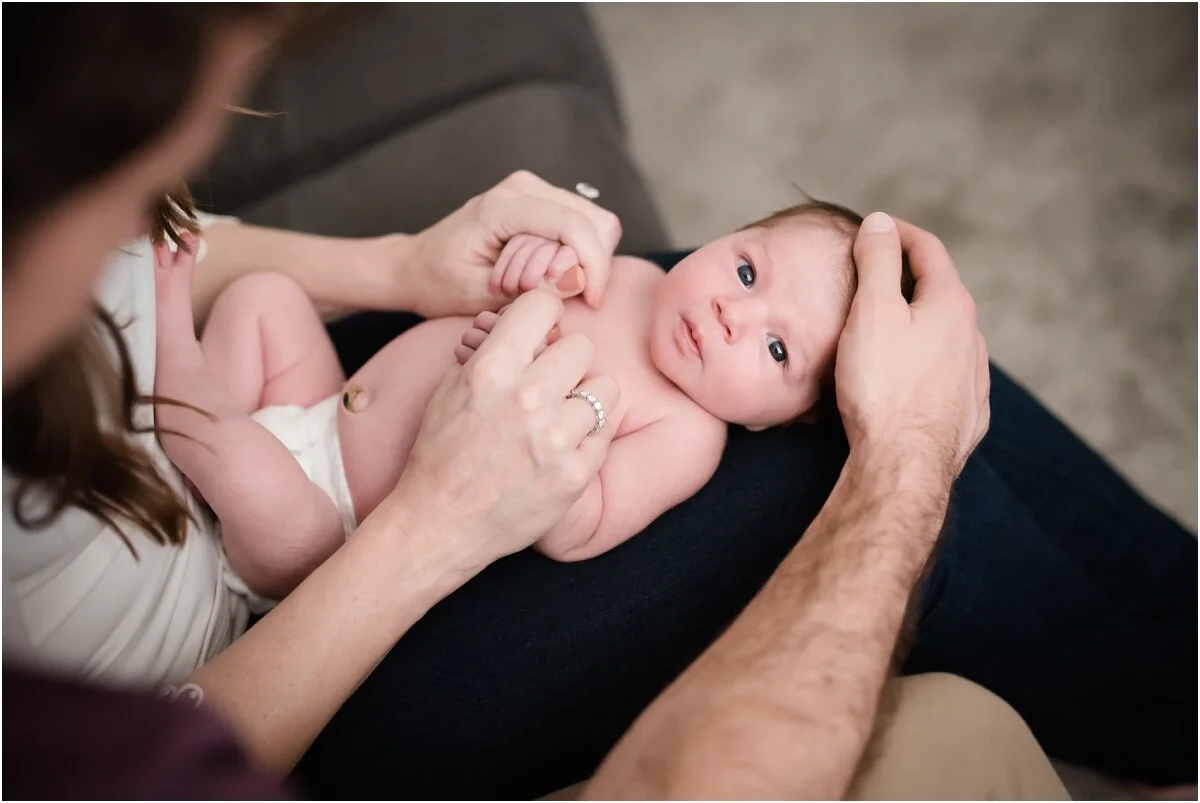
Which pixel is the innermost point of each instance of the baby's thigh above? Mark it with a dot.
(388, 397)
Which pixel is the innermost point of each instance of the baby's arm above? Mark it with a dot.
(647, 473)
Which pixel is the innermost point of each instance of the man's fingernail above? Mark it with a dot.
(571, 281)
(877, 222)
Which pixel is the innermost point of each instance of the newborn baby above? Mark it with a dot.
(290, 457)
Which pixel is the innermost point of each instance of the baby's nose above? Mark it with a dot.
(732, 315)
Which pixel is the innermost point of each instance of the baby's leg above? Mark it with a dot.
(277, 526)
(265, 344)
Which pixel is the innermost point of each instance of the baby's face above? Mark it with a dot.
(747, 325)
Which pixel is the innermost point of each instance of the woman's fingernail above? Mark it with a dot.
(555, 334)
(877, 222)
(500, 311)
(571, 281)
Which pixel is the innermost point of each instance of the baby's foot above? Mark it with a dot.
(173, 291)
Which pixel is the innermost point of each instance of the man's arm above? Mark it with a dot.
(784, 703)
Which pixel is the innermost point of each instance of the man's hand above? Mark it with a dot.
(912, 377)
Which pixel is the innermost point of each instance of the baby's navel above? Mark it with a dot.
(354, 398)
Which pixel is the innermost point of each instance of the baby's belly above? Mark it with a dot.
(396, 385)
(393, 390)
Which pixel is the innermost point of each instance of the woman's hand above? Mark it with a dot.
(503, 453)
(447, 269)
(529, 261)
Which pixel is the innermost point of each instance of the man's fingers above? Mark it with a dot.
(983, 378)
(932, 267)
(523, 327)
(877, 256)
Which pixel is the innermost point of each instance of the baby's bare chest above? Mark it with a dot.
(623, 352)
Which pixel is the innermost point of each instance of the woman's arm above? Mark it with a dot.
(341, 275)
(442, 271)
(279, 684)
(489, 474)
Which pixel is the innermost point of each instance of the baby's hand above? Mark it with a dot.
(481, 327)
(529, 261)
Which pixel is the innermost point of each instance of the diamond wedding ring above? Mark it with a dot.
(594, 403)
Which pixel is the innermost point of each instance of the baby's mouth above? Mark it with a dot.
(691, 338)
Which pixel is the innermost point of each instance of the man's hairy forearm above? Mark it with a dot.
(783, 704)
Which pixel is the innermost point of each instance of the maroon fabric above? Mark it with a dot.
(66, 740)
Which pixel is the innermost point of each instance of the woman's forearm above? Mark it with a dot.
(279, 684)
(341, 275)
(783, 704)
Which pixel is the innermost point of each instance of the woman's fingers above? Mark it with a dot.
(594, 448)
(523, 328)
(560, 367)
(608, 225)
(580, 416)
(565, 258)
(482, 326)
(510, 213)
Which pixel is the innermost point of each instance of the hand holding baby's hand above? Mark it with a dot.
(530, 261)
(482, 326)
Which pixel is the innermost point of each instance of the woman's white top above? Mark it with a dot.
(76, 599)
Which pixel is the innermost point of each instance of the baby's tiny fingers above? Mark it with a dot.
(536, 267)
(565, 258)
(506, 255)
(511, 283)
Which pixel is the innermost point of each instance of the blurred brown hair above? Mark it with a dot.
(96, 83)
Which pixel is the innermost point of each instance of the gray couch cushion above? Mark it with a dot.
(414, 177)
(388, 68)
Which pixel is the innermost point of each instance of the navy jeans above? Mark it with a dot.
(1055, 585)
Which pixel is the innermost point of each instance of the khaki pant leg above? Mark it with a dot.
(949, 739)
(945, 738)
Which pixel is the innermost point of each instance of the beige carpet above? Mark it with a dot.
(1053, 148)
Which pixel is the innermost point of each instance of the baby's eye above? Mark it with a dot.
(777, 349)
(745, 272)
